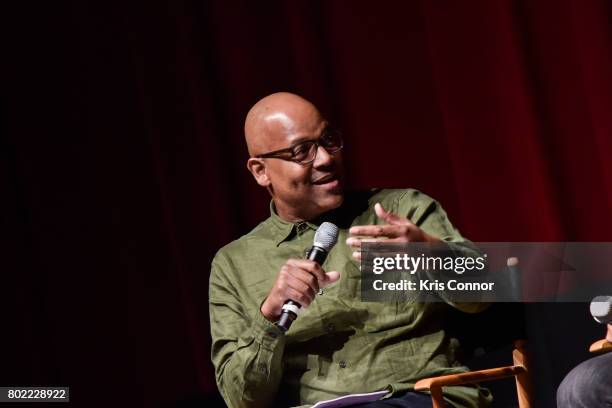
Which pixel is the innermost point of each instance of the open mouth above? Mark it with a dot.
(329, 183)
(325, 180)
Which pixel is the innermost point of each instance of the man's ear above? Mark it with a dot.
(257, 168)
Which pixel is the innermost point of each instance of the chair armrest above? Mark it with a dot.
(601, 346)
(469, 377)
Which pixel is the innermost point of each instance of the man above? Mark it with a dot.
(338, 345)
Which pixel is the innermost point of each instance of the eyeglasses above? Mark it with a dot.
(306, 152)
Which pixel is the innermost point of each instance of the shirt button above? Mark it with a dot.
(302, 227)
(272, 333)
(263, 370)
(342, 364)
(330, 327)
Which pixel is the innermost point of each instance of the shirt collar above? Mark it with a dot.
(286, 230)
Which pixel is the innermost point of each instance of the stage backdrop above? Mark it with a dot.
(124, 162)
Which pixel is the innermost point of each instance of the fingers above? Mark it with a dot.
(357, 242)
(304, 280)
(308, 266)
(389, 217)
(312, 274)
(381, 212)
(298, 280)
(375, 231)
(397, 229)
(304, 298)
(331, 277)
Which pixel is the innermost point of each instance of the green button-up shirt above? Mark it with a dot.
(339, 345)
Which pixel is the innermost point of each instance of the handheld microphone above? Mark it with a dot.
(601, 309)
(324, 240)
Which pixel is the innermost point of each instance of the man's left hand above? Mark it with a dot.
(397, 229)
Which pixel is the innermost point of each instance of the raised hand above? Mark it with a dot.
(396, 229)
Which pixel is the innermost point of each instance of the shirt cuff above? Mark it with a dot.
(265, 332)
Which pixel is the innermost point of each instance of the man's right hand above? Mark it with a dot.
(298, 280)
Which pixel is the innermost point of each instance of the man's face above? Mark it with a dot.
(303, 191)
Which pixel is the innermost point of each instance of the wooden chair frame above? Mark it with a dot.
(601, 346)
(519, 370)
(604, 345)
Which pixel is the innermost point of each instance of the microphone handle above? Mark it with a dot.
(291, 308)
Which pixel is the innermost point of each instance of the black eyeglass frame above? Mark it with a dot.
(278, 154)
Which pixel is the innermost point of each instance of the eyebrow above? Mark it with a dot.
(300, 141)
(303, 139)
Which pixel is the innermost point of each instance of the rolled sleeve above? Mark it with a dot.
(246, 350)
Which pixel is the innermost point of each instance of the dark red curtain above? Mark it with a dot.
(124, 162)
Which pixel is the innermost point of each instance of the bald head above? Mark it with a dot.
(273, 118)
(300, 191)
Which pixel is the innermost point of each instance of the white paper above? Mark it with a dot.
(351, 400)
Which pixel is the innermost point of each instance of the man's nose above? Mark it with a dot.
(323, 157)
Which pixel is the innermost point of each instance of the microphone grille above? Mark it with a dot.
(326, 236)
(601, 309)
